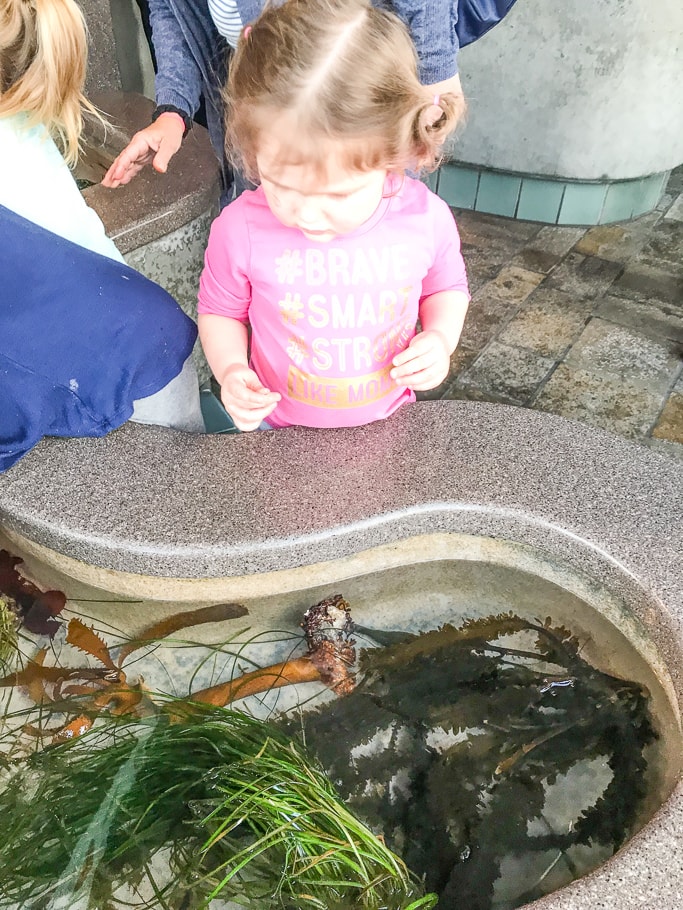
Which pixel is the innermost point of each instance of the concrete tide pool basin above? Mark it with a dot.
(274, 518)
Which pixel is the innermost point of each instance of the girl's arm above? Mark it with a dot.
(425, 363)
(225, 343)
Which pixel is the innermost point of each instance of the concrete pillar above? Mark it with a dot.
(577, 89)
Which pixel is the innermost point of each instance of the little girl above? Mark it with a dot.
(85, 342)
(338, 253)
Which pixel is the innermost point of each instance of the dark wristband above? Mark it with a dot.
(170, 109)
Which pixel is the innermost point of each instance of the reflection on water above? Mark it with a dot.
(491, 756)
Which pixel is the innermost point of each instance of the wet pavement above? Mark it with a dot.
(582, 322)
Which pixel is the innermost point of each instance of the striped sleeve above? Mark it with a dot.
(227, 19)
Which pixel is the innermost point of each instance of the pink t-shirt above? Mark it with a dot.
(327, 318)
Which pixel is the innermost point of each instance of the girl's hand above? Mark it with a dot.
(245, 398)
(425, 363)
(157, 144)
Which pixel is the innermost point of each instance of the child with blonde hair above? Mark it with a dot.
(85, 342)
(339, 252)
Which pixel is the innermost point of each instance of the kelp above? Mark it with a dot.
(138, 799)
(82, 694)
(452, 739)
(9, 624)
(35, 609)
(229, 805)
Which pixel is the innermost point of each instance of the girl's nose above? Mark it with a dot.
(309, 212)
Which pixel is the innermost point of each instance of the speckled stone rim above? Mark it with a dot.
(150, 502)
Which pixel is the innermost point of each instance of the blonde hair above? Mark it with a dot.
(345, 71)
(43, 54)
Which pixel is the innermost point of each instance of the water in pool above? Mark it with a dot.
(495, 759)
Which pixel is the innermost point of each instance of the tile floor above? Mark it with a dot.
(582, 322)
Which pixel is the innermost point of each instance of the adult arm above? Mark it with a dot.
(432, 27)
(178, 83)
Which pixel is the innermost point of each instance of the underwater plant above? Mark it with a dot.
(135, 798)
(8, 632)
(452, 740)
(443, 752)
(230, 806)
(82, 694)
(35, 609)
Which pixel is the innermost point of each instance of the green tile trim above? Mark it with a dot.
(548, 201)
(458, 185)
(540, 200)
(620, 201)
(498, 193)
(651, 192)
(582, 203)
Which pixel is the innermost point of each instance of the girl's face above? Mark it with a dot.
(321, 202)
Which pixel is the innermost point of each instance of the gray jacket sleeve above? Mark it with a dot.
(432, 26)
(180, 35)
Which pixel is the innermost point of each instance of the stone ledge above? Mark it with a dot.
(152, 205)
(149, 500)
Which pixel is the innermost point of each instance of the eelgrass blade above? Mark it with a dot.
(290, 811)
(88, 817)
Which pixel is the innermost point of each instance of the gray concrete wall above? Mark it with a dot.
(584, 89)
(119, 58)
(103, 69)
(132, 50)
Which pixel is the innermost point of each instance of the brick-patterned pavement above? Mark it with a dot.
(582, 322)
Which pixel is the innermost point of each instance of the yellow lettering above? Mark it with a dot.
(405, 296)
(338, 392)
(356, 394)
(366, 389)
(387, 305)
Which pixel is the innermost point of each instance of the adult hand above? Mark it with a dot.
(447, 85)
(245, 398)
(424, 364)
(157, 144)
